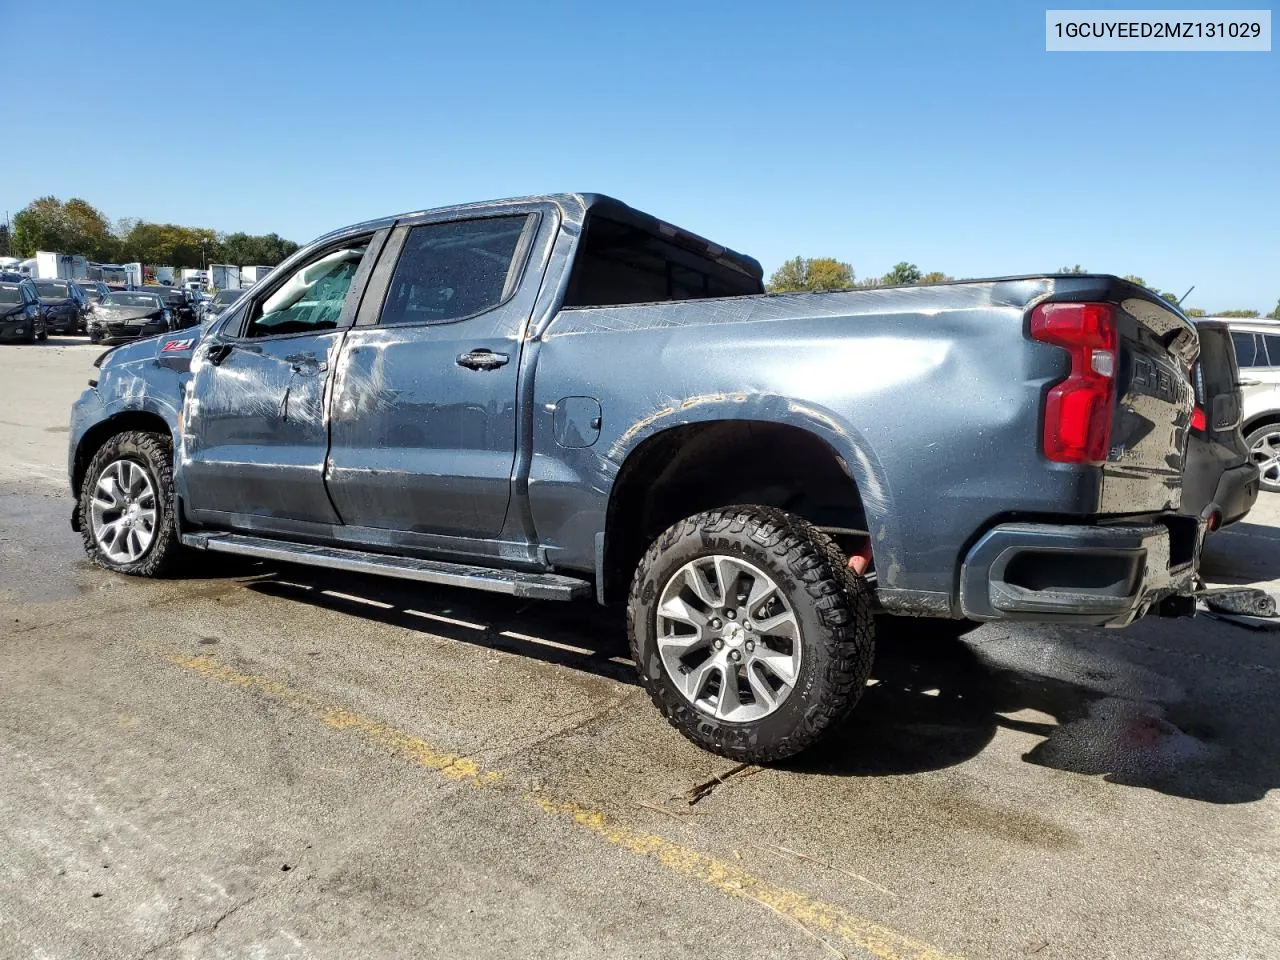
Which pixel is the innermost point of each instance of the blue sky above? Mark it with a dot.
(939, 133)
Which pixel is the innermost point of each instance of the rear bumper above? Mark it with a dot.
(1085, 575)
(1237, 491)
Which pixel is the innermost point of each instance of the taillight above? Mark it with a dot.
(1077, 411)
(1197, 419)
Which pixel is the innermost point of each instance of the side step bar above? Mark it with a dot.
(534, 586)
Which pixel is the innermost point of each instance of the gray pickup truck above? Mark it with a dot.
(560, 397)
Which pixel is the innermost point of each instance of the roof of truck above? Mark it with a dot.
(574, 207)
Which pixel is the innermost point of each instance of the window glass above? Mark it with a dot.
(620, 263)
(11, 295)
(448, 271)
(1246, 349)
(1273, 350)
(311, 298)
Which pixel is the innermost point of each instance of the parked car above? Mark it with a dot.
(65, 307)
(218, 302)
(21, 315)
(561, 397)
(1257, 345)
(93, 290)
(129, 315)
(178, 302)
(12, 276)
(1220, 479)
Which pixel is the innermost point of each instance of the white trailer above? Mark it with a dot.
(224, 276)
(60, 266)
(251, 275)
(163, 275)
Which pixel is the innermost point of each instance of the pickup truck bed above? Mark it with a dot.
(561, 395)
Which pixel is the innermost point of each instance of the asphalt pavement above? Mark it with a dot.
(268, 761)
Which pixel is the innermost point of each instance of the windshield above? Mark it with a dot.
(131, 300)
(49, 289)
(10, 295)
(91, 291)
(223, 297)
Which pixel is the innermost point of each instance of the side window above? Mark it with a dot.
(1246, 349)
(1273, 349)
(311, 298)
(448, 271)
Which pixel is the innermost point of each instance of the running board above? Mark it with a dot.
(516, 583)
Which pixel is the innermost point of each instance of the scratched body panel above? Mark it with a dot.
(929, 396)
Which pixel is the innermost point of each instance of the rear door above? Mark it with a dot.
(255, 431)
(425, 407)
(1258, 354)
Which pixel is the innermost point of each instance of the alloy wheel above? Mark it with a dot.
(728, 638)
(123, 511)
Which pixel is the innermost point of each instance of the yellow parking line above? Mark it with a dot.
(823, 920)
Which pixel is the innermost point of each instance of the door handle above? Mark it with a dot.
(218, 352)
(1242, 382)
(482, 360)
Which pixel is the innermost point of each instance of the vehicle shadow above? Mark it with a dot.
(1242, 553)
(935, 700)
(1143, 708)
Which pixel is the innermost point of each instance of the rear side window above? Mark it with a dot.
(1273, 350)
(620, 263)
(1246, 349)
(450, 271)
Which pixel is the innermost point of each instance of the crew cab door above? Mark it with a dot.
(424, 413)
(255, 424)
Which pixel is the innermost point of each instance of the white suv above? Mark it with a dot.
(1257, 345)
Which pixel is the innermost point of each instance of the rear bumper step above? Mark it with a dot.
(1088, 575)
(533, 586)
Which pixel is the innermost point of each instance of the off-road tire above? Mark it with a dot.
(154, 453)
(832, 604)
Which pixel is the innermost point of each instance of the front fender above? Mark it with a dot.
(142, 378)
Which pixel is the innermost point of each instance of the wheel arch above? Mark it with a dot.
(1263, 419)
(816, 471)
(120, 422)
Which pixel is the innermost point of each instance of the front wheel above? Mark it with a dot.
(1264, 448)
(750, 633)
(126, 505)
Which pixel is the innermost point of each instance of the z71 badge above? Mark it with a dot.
(178, 345)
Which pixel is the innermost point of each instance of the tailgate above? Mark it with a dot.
(1154, 401)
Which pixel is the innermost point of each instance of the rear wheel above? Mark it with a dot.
(1264, 448)
(749, 632)
(126, 505)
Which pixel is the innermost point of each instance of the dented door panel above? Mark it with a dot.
(256, 430)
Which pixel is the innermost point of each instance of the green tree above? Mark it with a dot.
(797, 274)
(1076, 269)
(1275, 314)
(1133, 278)
(1240, 314)
(934, 276)
(1171, 297)
(41, 225)
(6, 241)
(902, 273)
(1194, 312)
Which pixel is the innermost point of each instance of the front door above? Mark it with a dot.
(255, 425)
(423, 431)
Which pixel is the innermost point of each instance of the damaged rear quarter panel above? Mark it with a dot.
(930, 394)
